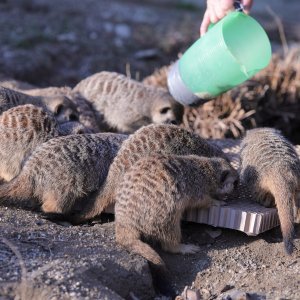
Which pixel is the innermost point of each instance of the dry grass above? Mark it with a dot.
(269, 99)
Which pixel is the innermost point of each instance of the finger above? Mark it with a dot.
(247, 5)
(220, 12)
(226, 6)
(213, 15)
(205, 23)
(211, 8)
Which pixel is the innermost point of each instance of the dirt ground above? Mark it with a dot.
(84, 262)
(60, 42)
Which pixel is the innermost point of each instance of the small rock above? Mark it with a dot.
(64, 223)
(205, 292)
(67, 37)
(39, 222)
(190, 294)
(279, 263)
(235, 295)
(226, 288)
(214, 233)
(123, 31)
(108, 27)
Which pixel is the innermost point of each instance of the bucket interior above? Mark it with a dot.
(247, 42)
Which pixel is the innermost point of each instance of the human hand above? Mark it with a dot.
(217, 9)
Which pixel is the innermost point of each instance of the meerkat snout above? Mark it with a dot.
(228, 180)
(62, 108)
(166, 111)
(73, 127)
(64, 113)
(164, 115)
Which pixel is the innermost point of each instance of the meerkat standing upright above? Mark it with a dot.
(126, 104)
(62, 172)
(271, 168)
(154, 193)
(22, 129)
(163, 139)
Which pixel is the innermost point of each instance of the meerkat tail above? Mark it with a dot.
(16, 192)
(130, 239)
(284, 200)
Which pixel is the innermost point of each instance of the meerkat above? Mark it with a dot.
(126, 104)
(154, 193)
(73, 127)
(14, 84)
(63, 109)
(271, 168)
(22, 129)
(86, 115)
(86, 112)
(151, 139)
(158, 78)
(62, 172)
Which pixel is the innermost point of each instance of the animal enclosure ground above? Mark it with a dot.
(60, 42)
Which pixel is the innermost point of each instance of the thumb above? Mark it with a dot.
(205, 23)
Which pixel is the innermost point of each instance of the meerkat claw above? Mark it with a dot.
(188, 248)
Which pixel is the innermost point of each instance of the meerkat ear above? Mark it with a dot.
(58, 109)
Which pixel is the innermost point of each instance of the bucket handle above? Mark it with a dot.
(238, 6)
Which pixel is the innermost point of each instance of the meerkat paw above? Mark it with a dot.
(266, 201)
(180, 248)
(188, 248)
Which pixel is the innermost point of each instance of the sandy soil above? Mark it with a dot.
(59, 43)
(83, 262)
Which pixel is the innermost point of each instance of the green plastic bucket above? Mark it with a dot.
(232, 51)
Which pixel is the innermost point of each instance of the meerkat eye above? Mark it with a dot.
(80, 131)
(164, 110)
(59, 109)
(73, 117)
(224, 176)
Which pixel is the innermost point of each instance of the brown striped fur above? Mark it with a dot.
(154, 193)
(271, 168)
(14, 84)
(22, 129)
(158, 78)
(85, 111)
(126, 104)
(62, 171)
(151, 139)
(63, 109)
